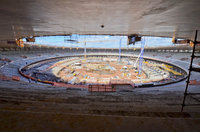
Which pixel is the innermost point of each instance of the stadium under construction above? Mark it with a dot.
(110, 82)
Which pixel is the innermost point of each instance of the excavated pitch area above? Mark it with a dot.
(100, 69)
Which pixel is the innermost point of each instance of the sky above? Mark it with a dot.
(100, 41)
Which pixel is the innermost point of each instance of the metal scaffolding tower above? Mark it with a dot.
(194, 69)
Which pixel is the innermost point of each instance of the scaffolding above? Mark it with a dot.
(191, 69)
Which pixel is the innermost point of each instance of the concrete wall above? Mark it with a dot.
(41, 121)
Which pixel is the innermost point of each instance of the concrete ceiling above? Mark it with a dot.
(20, 18)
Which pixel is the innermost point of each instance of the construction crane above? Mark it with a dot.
(103, 41)
(86, 41)
(140, 57)
(85, 45)
(120, 43)
(85, 52)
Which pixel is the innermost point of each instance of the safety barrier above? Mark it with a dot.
(122, 82)
(194, 82)
(4, 78)
(101, 88)
(16, 78)
(69, 85)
